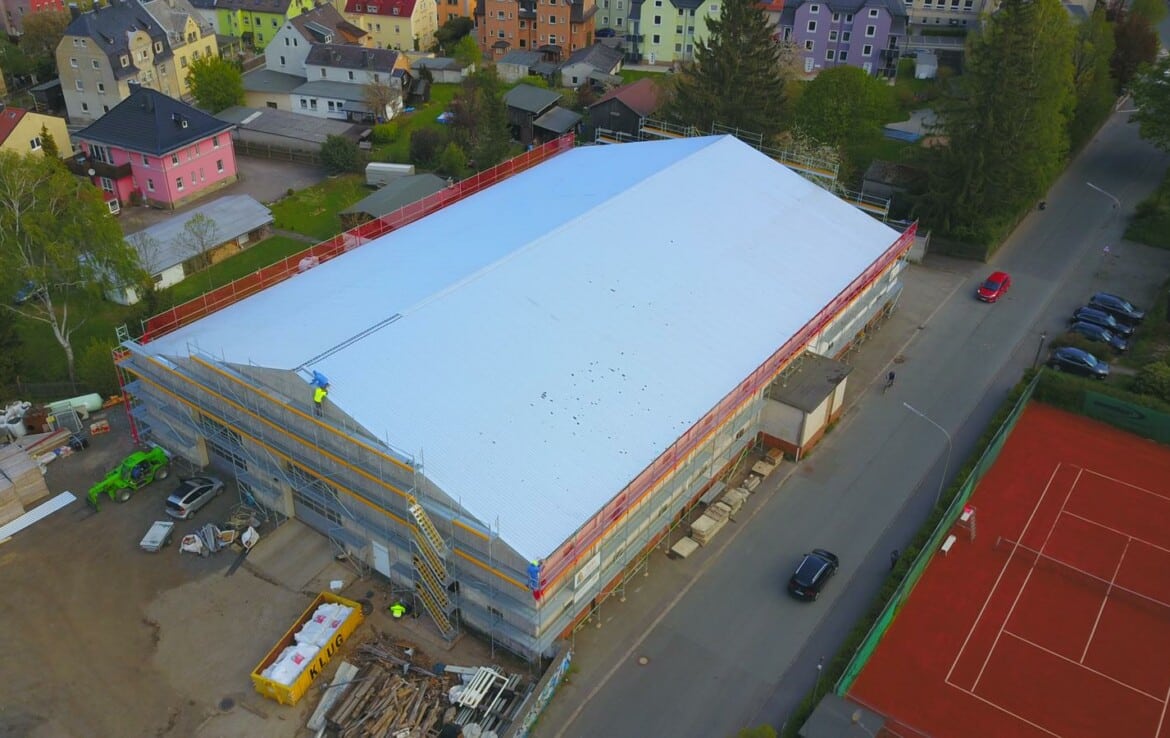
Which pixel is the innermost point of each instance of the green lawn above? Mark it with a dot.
(633, 75)
(268, 251)
(313, 211)
(422, 117)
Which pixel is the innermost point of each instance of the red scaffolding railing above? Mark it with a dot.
(228, 294)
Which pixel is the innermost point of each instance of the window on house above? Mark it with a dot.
(35, 144)
(812, 26)
(552, 20)
(94, 63)
(836, 17)
(954, 4)
(656, 39)
(376, 77)
(841, 56)
(150, 185)
(105, 108)
(219, 165)
(101, 88)
(830, 55)
(678, 30)
(282, 61)
(179, 184)
(73, 63)
(846, 35)
(658, 20)
(867, 50)
(832, 35)
(107, 184)
(870, 31)
(312, 103)
(808, 45)
(814, 9)
(304, 104)
(183, 62)
(274, 25)
(158, 47)
(215, 142)
(322, 71)
(849, 17)
(873, 12)
(968, 4)
(85, 107)
(619, 22)
(80, 86)
(714, 9)
(174, 159)
(145, 160)
(287, 41)
(351, 74)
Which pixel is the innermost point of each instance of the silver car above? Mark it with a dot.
(191, 495)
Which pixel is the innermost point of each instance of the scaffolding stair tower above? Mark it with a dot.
(430, 570)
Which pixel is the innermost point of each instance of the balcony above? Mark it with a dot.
(889, 55)
(83, 166)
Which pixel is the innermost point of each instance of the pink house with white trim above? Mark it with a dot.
(156, 150)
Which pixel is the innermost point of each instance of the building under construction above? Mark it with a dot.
(527, 386)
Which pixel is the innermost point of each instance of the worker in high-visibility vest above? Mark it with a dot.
(397, 610)
(320, 392)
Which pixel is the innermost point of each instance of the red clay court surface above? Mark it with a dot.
(1004, 640)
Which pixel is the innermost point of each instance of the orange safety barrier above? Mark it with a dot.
(231, 293)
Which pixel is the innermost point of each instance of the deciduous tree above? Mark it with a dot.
(450, 32)
(56, 231)
(844, 104)
(43, 31)
(339, 155)
(216, 84)
(1151, 95)
(1006, 127)
(736, 79)
(378, 96)
(1092, 50)
(467, 51)
(480, 125)
(1136, 43)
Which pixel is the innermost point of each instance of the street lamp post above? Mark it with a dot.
(947, 461)
(1039, 348)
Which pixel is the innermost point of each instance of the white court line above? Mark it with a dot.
(1089, 669)
(1002, 571)
(1104, 600)
(1149, 492)
(1162, 719)
(1004, 710)
(1024, 586)
(1118, 532)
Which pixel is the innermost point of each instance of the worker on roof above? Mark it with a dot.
(320, 392)
(398, 610)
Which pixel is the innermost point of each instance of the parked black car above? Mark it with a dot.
(1097, 316)
(1118, 307)
(1078, 361)
(816, 568)
(1097, 333)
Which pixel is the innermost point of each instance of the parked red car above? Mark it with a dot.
(994, 287)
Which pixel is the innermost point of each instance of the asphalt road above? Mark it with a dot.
(708, 655)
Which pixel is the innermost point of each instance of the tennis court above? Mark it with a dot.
(1055, 619)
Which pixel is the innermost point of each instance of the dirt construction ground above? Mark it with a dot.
(102, 639)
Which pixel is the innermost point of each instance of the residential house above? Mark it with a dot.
(337, 76)
(930, 15)
(443, 69)
(612, 18)
(21, 131)
(257, 21)
(555, 28)
(451, 9)
(147, 42)
(394, 196)
(406, 25)
(621, 110)
(47, 97)
(666, 31)
(264, 88)
(534, 116)
(156, 149)
(284, 129)
(596, 63)
(861, 33)
(321, 25)
(13, 12)
(167, 255)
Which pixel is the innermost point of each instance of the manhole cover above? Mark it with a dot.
(643, 660)
(226, 704)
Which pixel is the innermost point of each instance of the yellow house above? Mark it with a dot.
(20, 131)
(405, 25)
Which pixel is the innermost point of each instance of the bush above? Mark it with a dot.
(95, 367)
(424, 147)
(452, 162)
(1153, 379)
(385, 133)
(340, 155)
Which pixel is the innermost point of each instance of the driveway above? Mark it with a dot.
(265, 180)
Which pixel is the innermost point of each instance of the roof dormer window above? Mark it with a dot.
(125, 60)
(158, 47)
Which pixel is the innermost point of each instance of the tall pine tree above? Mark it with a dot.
(736, 78)
(1006, 129)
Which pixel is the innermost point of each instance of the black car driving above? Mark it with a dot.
(816, 568)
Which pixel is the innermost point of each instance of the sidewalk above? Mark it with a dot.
(612, 637)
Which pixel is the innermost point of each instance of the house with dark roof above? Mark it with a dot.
(860, 33)
(157, 150)
(406, 25)
(596, 63)
(622, 109)
(147, 42)
(21, 131)
(535, 117)
(336, 78)
(287, 51)
(443, 69)
(257, 21)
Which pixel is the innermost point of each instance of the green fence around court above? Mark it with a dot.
(934, 541)
(1127, 415)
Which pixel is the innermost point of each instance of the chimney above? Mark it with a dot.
(74, 11)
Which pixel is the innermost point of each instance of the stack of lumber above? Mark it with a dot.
(710, 523)
(393, 694)
(21, 482)
(734, 499)
(763, 468)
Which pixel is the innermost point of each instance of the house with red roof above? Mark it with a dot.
(405, 25)
(622, 109)
(22, 131)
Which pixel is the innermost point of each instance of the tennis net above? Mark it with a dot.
(1109, 589)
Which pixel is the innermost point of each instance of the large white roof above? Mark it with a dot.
(561, 329)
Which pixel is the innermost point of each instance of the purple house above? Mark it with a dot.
(861, 33)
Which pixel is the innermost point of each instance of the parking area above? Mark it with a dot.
(107, 640)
